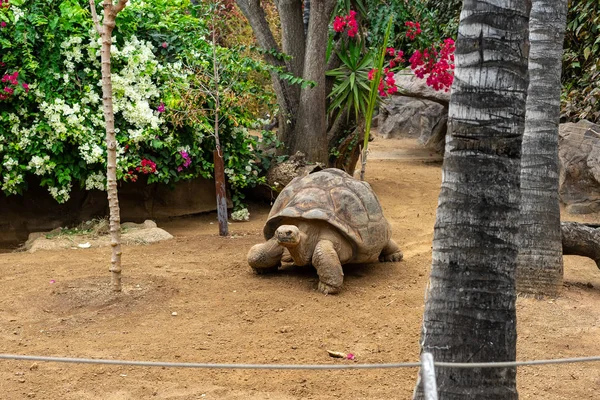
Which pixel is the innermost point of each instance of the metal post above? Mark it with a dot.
(428, 377)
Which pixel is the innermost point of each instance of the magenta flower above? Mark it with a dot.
(164, 45)
(161, 108)
(2, 24)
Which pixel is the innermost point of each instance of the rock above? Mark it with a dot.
(416, 111)
(281, 174)
(579, 160)
(411, 86)
(409, 117)
(37, 211)
(132, 234)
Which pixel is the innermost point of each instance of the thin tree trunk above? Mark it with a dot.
(540, 262)
(105, 31)
(219, 168)
(470, 306)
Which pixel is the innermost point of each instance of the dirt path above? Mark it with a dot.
(58, 303)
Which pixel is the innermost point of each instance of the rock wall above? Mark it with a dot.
(37, 211)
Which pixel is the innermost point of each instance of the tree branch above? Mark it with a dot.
(95, 17)
(119, 7)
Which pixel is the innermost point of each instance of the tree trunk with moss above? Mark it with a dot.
(105, 30)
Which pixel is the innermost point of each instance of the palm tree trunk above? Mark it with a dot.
(470, 306)
(540, 262)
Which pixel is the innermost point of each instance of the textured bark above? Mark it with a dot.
(540, 262)
(470, 306)
(105, 31)
(311, 127)
(581, 240)
(287, 97)
(302, 119)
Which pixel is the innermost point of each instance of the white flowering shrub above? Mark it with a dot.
(51, 116)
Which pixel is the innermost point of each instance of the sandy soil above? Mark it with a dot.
(58, 303)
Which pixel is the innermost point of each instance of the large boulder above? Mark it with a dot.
(579, 157)
(416, 111)
(411, 117)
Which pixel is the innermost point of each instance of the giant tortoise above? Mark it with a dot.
(325, 219)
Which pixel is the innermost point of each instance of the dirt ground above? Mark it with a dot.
(58, 303)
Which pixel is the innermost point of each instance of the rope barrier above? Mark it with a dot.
(507, 364)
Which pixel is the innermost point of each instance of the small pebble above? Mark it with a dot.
(174, 313)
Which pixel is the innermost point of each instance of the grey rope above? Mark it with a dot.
(507, 364)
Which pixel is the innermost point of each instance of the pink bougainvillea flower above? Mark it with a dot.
(350, 356)
(164, 45)
(26, 87)
(2, 24)
(414, 29)
(161, 108)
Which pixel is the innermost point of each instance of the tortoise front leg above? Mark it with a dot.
(327, 262)
(265, 257)
(391, 252)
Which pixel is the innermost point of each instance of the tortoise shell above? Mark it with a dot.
(333, 196)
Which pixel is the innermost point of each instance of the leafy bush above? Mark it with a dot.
(52, 123)
(581, 62)
(437, 21)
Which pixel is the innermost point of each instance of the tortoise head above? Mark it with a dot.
(288, 236)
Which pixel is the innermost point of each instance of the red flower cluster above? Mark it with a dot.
(130, 176)
(387, 85)
(147, 167)
(340, 23)
(4, 3)
(414, 28)
(11, 80)
(438, 65)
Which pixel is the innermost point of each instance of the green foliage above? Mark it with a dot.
(56, 129)
(373, 93)
(352, 87)
(435, 22)
(581, 62)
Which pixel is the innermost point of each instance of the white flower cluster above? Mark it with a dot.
(71, 50)
(91, 153)
(11, 182)
(62, 194)
(241, 215)
(133, 87)
(96, 181)
(40, 165)
(9, 162)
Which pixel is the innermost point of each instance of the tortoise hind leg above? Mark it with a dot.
(327, 262)
(391, 252)
(265, 257)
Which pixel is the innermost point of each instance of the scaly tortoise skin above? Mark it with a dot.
(340, 219)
